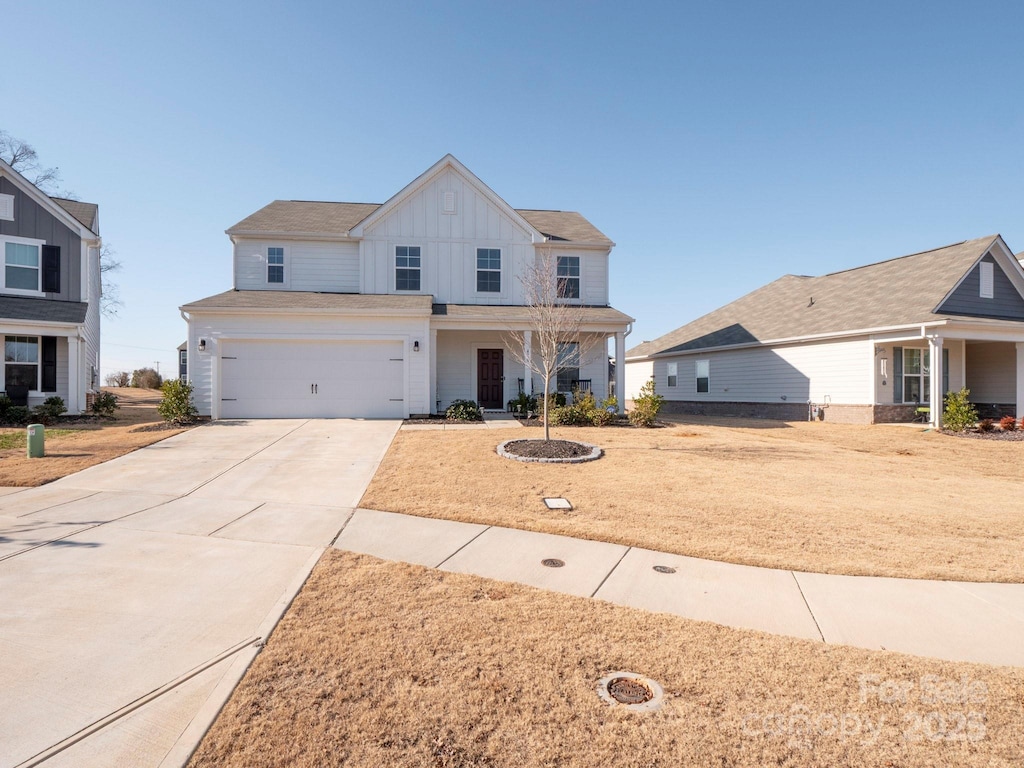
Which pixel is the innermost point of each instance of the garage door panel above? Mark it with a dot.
(295, 379)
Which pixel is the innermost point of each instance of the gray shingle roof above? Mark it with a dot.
(305, 300)
(26, 308)
(84, 213)
(898, 292)
(492, 312)
(304, 217)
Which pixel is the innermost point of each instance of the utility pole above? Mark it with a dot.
(157, 364)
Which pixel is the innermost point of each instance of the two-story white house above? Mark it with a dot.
(49, 294)
(395, 309)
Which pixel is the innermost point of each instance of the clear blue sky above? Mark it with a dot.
(720, 145)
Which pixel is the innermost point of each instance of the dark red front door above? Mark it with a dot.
(490, 373)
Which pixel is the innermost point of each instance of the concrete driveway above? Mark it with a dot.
(134, 594)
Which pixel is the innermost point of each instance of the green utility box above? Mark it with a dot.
(35, 441)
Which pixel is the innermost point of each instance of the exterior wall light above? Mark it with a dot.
(416, 346)
(202, 345)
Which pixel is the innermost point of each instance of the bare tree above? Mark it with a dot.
(558, 340)
(22, 157)
(110, 295)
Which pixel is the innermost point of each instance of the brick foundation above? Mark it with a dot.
(837, 414)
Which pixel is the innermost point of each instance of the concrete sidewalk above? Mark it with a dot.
(957, 621)
(136, 592)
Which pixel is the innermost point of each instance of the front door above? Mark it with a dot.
(490, 377)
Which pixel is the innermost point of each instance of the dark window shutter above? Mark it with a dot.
(51, 268)
(49, 356)
(897, 374)
(945, 372)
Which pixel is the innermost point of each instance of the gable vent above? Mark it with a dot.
(448, 202)
(987, 276)
(7, 207)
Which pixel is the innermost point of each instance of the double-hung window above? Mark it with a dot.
(671, 373)
(488, 270)
(275, 264)
(568, 277)
(916, 376)
(568, 366)
(703, 370)
(21, 364)
(21, 265)
(407, 267)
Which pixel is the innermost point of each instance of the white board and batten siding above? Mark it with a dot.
(285, 351)
(833, 370)
(330, 267)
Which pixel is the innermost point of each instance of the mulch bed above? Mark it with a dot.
(165, 425)
(995, 434)
(547, 449)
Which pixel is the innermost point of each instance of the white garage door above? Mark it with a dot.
(297, 379)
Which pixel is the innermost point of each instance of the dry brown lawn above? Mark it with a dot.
(86, 443)
(387, 664)
(831, 498)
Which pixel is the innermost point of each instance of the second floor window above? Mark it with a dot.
(275, 265)
(568, 277)
(21, 266)
(488, 270)
(407, 267)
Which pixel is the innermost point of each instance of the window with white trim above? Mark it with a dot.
(407, 267)
(671, 373)
(916, 376)
(22, 264)
(488, 270)
(275, 264)
(703, 370)
(568, 277)
(986, 273)
(21, 363)
(7, 207)
(568, 366)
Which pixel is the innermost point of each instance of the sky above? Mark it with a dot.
(720, 145)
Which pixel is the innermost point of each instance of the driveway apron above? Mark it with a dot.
(133, 594)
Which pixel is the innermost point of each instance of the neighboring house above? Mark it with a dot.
(860, 342)
(183, 361)
(368, 310)
(49, 294)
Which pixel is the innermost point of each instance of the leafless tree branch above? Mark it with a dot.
(22, 157)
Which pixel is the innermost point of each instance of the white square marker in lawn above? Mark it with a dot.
(557, 503)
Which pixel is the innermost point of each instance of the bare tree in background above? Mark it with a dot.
(22, 157)
(558, 341)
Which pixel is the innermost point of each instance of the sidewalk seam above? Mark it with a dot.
(453, 554)
(609, 574)
(808, 605)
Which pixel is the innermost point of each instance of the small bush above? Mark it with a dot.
(646, 406)
(51, 408)
(119, 379)
(5, 405)
(18, 415)
(1008, 423)
(104, 404)
(523, 404)
(146, 378)
(177, 407)
(959, 415)
(986, 425)
(464, 410)
(606, 413)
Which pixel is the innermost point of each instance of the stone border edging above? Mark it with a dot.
(595, 453)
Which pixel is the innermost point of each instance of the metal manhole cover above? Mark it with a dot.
(664, 569)
(626, 690)
(632, 691)
(552, 562)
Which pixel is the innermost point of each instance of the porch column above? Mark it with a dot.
(935, 382)
(432, 402)
(527, 370)
(1020, 380)
(620, 370)
(75, 404)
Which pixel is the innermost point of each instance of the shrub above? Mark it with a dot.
(51, 408)
(606, 413)
(646, 406)
(986, 425)
(464, 410)
(18, 414)
(146, 378)
(959, 415)
(5, 405)
(105, 403)
(119, 379)
(1008, 423)
(523, 404)
(177, 407)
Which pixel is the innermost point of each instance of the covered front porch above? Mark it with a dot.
(988, 361)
